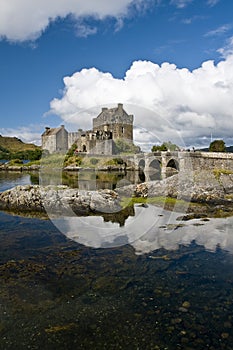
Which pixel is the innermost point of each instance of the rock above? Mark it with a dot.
(141, 190)
(59, 200)
(201, 187)
(225, 335)
(183, 309)
(186, 304)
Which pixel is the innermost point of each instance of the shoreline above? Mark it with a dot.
(215, 193)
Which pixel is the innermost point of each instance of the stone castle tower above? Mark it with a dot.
(116, 122)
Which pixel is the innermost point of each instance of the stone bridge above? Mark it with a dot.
(159, 164)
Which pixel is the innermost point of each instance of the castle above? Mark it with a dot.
(111, 124)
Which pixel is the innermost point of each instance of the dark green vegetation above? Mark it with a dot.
(217, 146)
(14, 148)
(166, 146)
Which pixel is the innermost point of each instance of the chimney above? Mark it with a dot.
(120, 105)
(104, 109)
(47, 128)
(62, 126)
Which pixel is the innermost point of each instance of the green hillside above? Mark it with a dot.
(13, 144)
(12, 148)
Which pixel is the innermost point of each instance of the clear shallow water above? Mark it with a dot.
(170, 289)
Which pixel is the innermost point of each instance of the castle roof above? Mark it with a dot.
(113, 115)
(52, 131)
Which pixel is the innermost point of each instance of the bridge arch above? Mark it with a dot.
(141, 164)
(141, 167)
(154, 170)
(155, 164)
(173, 164)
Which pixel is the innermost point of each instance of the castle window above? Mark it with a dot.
(122, 130)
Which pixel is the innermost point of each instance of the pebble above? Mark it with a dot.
(224, 335)
(183, 309)
(186, 304)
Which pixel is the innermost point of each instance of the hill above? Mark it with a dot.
(12, 148)
(13, 144)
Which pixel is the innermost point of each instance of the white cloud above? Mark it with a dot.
(168, 103)
(83, 31)
(181, 3)
(212, 3)
(28, 134)
(192, 19)
(219, 31)
(22, 20)
(227, 50)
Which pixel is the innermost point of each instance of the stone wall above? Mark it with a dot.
(72, 138)
(49, 143)
(62, 140)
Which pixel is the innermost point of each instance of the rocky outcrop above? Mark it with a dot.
(202, 187)
(59, 200)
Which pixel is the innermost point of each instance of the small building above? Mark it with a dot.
(55, 139)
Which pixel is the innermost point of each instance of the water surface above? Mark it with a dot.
(171, 288)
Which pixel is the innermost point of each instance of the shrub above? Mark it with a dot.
(217, 146)
(94, 161)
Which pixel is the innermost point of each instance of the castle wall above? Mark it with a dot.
(72, 138)
(49, 143)
(62, 140)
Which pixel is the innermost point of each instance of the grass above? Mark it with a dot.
(167, 202)
(218, 172)
(33, 162)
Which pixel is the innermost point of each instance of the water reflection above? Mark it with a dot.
(148, 229)
(89, 179)
(12, 178)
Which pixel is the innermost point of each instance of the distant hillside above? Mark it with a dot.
(13, 144)
(14, 148)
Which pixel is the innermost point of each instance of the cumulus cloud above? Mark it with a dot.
(28, 134)
(22, 20)
(168, 103)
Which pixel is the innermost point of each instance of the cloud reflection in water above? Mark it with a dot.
(150, 229)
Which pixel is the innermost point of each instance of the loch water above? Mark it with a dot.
(169, 288)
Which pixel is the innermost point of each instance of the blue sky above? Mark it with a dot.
(168, 61)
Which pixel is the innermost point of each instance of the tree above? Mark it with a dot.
(160, 148)
(166, 146)
(217, 146)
